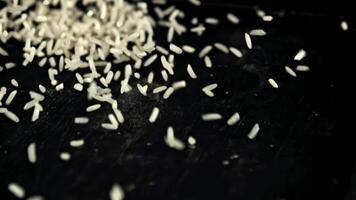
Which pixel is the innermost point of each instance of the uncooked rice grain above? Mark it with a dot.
(65, 156)
(205, 51)
(208, 62)
(188, 49)
(300, 55)
(191, 72)
(273, 83)
(77, 143)
(290, 71)
(10, 65)
(93, 108)
(233, 119)
(302, 68)
(12, 116)
(81, 120)
(191, 140)
(14, 83)
(11, 97)
(154, 115)
(159, 89)
(164, 75)
(17, 190)
(174, 48)
(195, 2)
(116, 192)
(212, 21)
(60, 87)
(221, 47)
(172, 141)
(150, 77)
(232, 18)
(253, 133)
(78, 87)
(208, 89)
(168, 93)
(257, 32)
(142, 89)
(236, 52)
(344, 26)
(150, 60)
(211, 116)
(31, 153)
(248, 41)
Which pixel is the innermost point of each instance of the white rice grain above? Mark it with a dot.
(42, 62)
(78, 87)
(212, 21)
(300, 55)
(11, 97)
(191, 72)
(195, 2)
(65, 156)
(31, 153)
(257, 32)
(205, 51)
(150, 77)
(60, 87)
(273, 83)
(17, 190)
(232, 18)
(192, 141)
(236, 52)
(93, 108)
(164, 75)
(116, 192)
(290, 71)
(168, 93)
(188, 49)
(211, 117)
(179, 85)
(233, 119)
(159, 89)
(248, 41)
(174, 48)
(172, 141)
(267, 18)
(253, 133)
(154, 115)
(77, 143)
(207, 62)
(166, 65)
(344, 26)
(41, 88)
(208, 89)
(142, 89)
(302, 68)
(10, 65)
(150, 60)
(14, 83)
(12, 116)
(81, 120)
(221, 47)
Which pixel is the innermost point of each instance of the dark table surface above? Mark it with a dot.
(298, 154)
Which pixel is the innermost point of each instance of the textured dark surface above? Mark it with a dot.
(298, 153)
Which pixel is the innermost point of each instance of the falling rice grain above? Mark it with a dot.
(116, 192)
(81, 120)
(290, 71)
(154, 115)
(300, 55)
(253, 133)
(159, 89)
(273, 83)
(17, 190)
(208, 62)
(191, 72)
(77, 143)
(168, 93)
(233, 119)
(232, 18)
(236, 52)
(31, 153)
(302, 68)
(93, 108)
(211, 117)
(248, 41)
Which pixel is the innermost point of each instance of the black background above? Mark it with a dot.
(299, 153)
